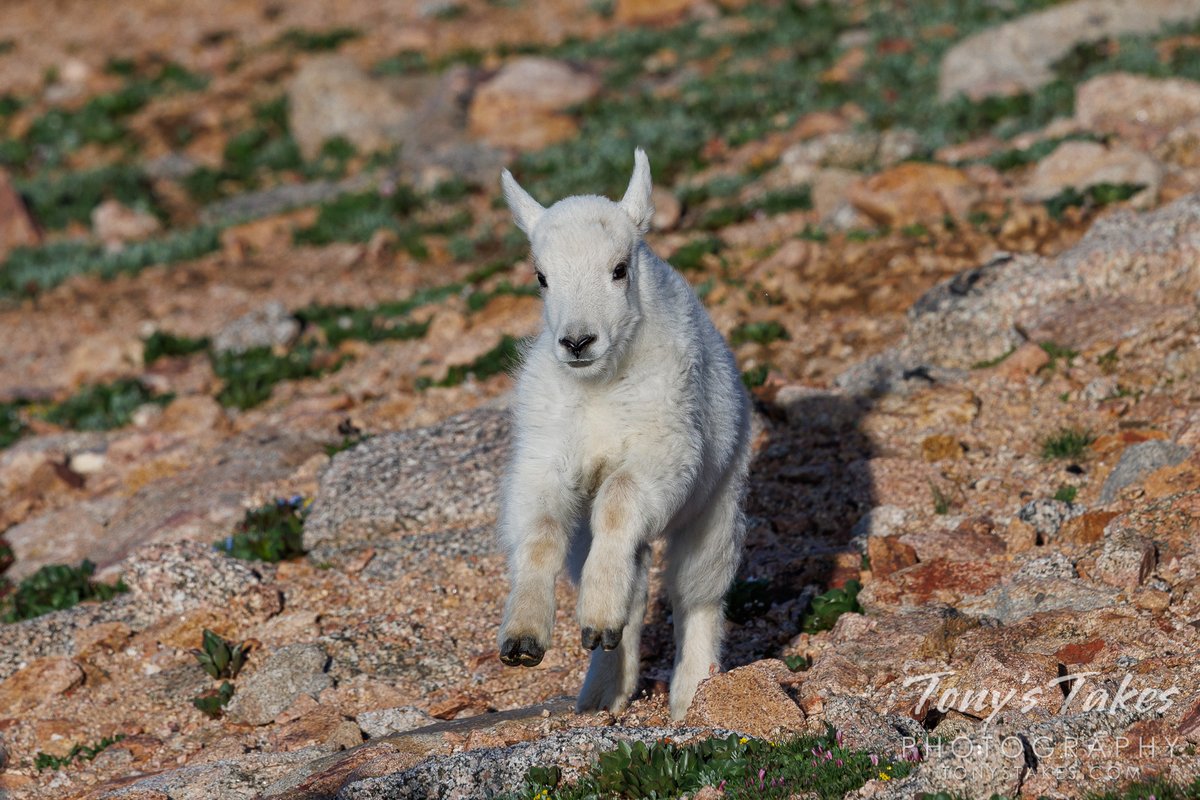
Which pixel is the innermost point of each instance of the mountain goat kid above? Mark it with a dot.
(631, 423)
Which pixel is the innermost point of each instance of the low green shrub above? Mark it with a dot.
(56, 587)
(103, 407)
(826, 608)
(218, 657)
(84, 752)
(1067, 443)
(273, 532)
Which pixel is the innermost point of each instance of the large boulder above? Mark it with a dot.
(1017, 56)
(524, 106)
(331, 97)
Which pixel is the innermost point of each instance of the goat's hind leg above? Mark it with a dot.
(612, 675)
(701, 564)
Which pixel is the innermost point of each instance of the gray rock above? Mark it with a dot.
(493, 772)
(386, 721)
(286, 674)
(331, 97)
(238, 778)
(1138, 461)
(269, 326)
(432, 479)
(1018, 597)
(1047, 516)
(181, 575)
(980, 314)
(1126, 559)
(1017, 56)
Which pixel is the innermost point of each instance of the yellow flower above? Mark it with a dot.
(743, 740)
(885, 776)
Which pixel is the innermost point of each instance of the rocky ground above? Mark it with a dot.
(962, 283)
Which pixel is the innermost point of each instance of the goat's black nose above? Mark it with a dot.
(578, 344)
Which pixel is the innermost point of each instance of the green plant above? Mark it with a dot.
(218, 657)
(747, 599)
(740, 767)
(58, 201)
(991, 362)
(756, 376)
(161, 344)
(826, 608)
(692, 255)
(317, 41)
(30, 269)
(355, 217)
(102, 407)
(798, 663)
(504, 357)
(1107, 361)
(1057, 352)
(1066, 493)
(86, 752)
(250, 376)
(55, 587)
(212, 703)
(1092, 197)
(273, 532)
(1067, 443)
(941, 503)
(341, 323)
(759, 333)
(12, 427)
(348, 442)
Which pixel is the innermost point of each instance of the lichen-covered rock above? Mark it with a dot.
(748, 699)
(443, 477)
(1138, 461)
(269, 326)
(284, 675)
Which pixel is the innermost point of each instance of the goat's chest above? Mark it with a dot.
(609, 431)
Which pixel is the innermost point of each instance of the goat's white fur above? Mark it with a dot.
(646, 435)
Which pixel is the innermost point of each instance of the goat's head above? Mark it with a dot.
(586, 254)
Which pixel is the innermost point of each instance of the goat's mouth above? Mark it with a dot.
(581, 362)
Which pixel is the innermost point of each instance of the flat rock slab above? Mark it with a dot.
(443, 477)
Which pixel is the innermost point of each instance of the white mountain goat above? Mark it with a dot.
(630, 423)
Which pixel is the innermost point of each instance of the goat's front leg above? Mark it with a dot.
(539, 512)
(626, 515)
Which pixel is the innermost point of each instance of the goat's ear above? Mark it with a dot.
(637, 202)
(525, 209)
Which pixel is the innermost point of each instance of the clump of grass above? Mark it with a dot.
(341, 323)
(161, 344)
(12, 427)
(941, 503)
(310, 41)
(992, 362)
(1067, 443)
(1107, 361)
(355, 217)
(250, 377)
(1091, 198)
(477, 300)
(30, 269)
(741, 767)
(84, 752)
(756, 376)
(55, 587)
(759, 333)
(405, 62)
(691, 255)
(826, 608)
(103, 407)
(504, 357)
(273, 532)
(57, 201)
(1066, 493)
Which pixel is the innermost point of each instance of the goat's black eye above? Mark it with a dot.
(620, 270)
(542, 280)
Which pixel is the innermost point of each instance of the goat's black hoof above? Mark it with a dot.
(522, 651)
(608, 639)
